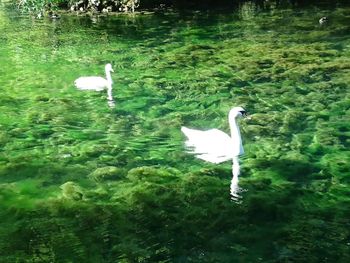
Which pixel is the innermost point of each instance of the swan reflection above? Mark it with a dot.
(234, 188)
(111, 103)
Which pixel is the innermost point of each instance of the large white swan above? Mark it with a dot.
(97, 83)
(215, 146)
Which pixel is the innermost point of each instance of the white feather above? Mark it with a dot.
(97, 83)
(209, 145)
(214, 145)
(91, 83)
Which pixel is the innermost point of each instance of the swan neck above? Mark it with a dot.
(108, 77)
(235, 132)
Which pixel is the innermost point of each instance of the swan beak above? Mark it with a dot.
(112, 70)
(246, 116)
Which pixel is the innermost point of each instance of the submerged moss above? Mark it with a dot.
(107, 173)
(71, 190)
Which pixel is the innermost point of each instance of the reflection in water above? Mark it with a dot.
(235, 190)
(111, 103)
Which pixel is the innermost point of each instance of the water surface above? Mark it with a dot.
(83, 182)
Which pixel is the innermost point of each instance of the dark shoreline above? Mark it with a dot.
(228, 5)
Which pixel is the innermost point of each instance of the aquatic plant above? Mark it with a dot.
(71, 190)
(107, 173)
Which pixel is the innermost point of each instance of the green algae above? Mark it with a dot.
(71, 190)
(107, 173)
(82, 182)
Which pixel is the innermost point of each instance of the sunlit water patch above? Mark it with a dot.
(83, 182)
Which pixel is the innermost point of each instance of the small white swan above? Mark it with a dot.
(323, 20)
(215, 146)
(97, 83)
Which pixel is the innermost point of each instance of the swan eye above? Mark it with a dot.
(244, 113)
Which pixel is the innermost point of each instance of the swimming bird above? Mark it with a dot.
(323, 20)
(216, 146)
(97, 83)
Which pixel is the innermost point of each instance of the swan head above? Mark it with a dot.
(237, 111)
(108, 68)
(323, 20)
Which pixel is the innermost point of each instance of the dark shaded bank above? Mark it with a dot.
(42, 7)
(215, 4)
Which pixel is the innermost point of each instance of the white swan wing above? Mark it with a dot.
(213, 145)
(91, 83)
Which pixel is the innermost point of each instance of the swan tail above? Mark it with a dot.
(186, 131)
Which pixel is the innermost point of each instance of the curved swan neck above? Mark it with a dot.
(235, 134)
(108, 77)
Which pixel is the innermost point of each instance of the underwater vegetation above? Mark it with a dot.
(82, 182)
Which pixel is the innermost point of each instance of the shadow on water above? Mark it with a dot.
(159, 204)
(290, 170)
(149, 219)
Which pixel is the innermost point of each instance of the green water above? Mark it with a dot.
(83, 182)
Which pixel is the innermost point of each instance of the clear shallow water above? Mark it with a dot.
(83, 182)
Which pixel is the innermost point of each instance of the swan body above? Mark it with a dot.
(97, 83)
(214, 145)
(91, 83)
